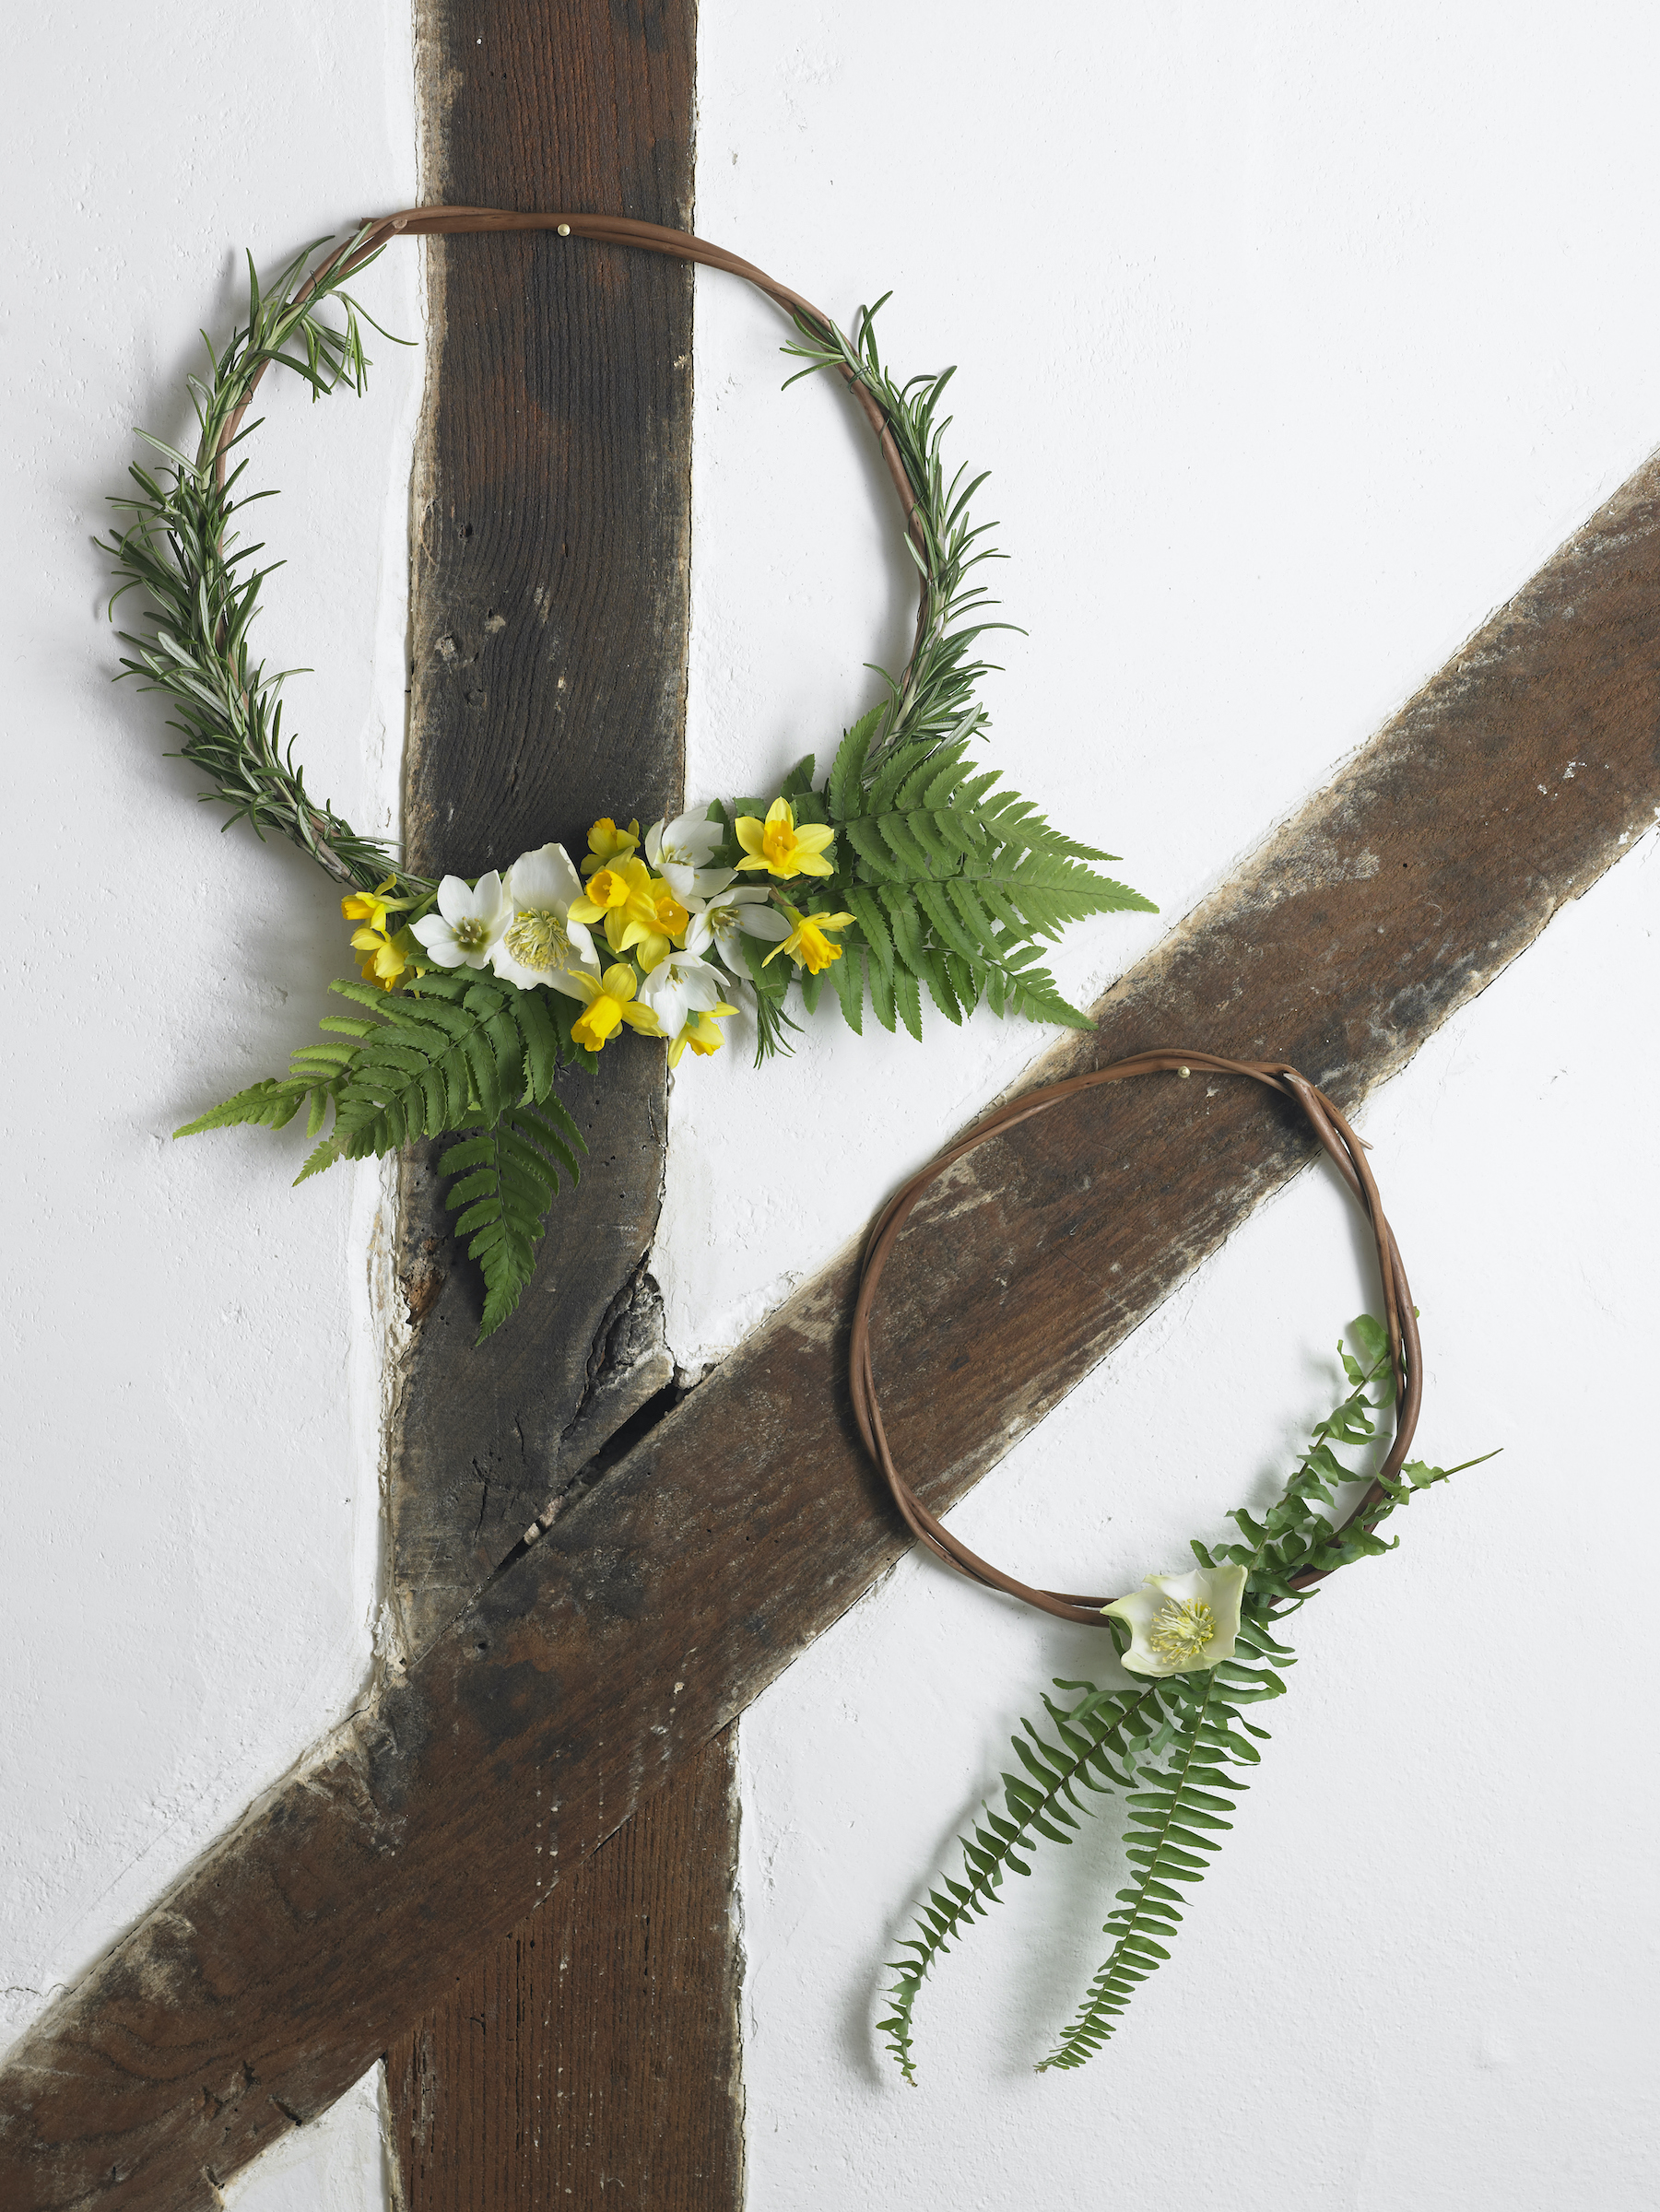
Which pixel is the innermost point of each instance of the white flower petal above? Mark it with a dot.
(449, 955)
(431, 931)
(490, 902)
(764, 921)
(693, 837)
(654, 842)
(544, 880)
(454, 898)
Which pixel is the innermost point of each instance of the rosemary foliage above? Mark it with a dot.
(1168, 1746)
(182, 551)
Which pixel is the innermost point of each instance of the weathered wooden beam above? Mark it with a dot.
(665, 1597)
(550, 613)
(551, 531)
(594, 2048)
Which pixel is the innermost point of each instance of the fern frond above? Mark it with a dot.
(506, 1178)
(1174, 1821)
(1101, 1740)
(1169, 1743)
(449, 1052)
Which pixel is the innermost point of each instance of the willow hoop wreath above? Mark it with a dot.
(1201, 1643)
(906, 872)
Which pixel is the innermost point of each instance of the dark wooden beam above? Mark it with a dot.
(593, 2049)
(593, 1666)
(549, 612)
(551, 530)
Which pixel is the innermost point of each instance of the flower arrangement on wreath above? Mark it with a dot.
(906, 875)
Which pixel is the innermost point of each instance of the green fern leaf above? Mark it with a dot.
(506, 1179)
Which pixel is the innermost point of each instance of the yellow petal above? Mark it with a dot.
(617, 982)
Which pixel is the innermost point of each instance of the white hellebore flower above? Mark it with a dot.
(541, 943)
(679, 987)
(1182, 1623)
(464, 931)
(749, 908)
(679, 852)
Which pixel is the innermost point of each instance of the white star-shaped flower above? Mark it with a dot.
(679, 987)
(748, 909)
(464, 931)
(679, 852)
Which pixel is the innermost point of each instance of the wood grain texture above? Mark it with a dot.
(551, 521)
(594, 2048)
(592, 2052)
(596, 1664)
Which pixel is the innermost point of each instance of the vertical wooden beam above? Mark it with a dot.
(593, 2051)
(552, 520)
(594, 2048)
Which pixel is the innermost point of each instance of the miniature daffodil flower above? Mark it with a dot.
(780, 846)
(464, 931)
(610, 1004)
(383, 952)
(639, 912)
(607, 843)
(680, 851)
(374, 906)
(702, 1033)
(747, 909)
(381, 957)
(679, 986)
(542, 941)
(806, 941)
(1179, 1624)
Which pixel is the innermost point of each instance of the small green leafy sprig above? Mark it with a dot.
(181, 550)
(1169, 1746)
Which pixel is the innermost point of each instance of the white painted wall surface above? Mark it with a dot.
(192, 1521)
(1297, 337)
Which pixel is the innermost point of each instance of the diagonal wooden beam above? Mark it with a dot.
(661, 1602)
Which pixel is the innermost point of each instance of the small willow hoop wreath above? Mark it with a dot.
(1204, 1646)
(906, 874)
(1400, 1321)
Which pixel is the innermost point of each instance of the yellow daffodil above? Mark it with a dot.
(639, 912)
(781, 848)
(1179, 1624)
(806, 941)
(381, 957)
(607, 843)
(610, 1004)
(383, 953)
(702, 1033)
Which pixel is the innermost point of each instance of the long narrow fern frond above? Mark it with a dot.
(1175, 1820)
(1098, 1743)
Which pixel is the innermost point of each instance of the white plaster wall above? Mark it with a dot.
(1297, 337)
(188, 1578)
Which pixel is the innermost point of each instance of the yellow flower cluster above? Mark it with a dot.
(668, 919)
